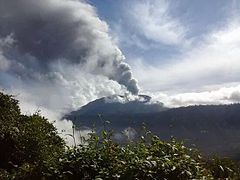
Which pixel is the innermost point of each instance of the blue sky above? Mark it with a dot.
(178, 47)
(196, 18)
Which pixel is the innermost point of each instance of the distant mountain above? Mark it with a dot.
(117, 104)
(212, 128)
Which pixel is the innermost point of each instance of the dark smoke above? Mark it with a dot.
(45, 33)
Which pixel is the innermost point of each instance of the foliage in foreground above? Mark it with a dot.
(29, 145)
(30, 148)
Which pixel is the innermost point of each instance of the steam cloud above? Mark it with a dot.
(56, 55)
(59, 47)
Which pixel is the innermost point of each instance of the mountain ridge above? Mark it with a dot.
(214, 129)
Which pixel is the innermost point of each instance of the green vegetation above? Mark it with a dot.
(29, 145)
(30, 148)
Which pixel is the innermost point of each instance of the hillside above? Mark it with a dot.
(117, 104)
(212, 128)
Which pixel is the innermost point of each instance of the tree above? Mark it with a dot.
(27, 143)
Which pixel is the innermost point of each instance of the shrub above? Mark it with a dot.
(223, 168)
(104, 159)
(30, 148)
(28, 143)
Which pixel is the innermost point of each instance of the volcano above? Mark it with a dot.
(214, 129)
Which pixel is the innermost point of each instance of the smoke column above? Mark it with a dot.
(54, 51)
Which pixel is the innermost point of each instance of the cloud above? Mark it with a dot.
(153, 20)
(57, 31)
(4, 63)
(5, 43)
(224, 95)
(58, 54)
(213, 61)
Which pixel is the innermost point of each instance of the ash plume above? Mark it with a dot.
(57, 55)
(43, 40)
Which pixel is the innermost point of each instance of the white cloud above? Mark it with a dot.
(63, 62)
(5, 43)
(58, 56)
(4, 63)
(214, 61)
(67, 91)
(218, 96)
(153, 20)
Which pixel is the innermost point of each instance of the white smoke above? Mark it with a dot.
(57, 55)
(127, 98)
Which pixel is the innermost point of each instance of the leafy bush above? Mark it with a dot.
(30, 148)
(104, 159)
(223, 168)
(28, 144)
